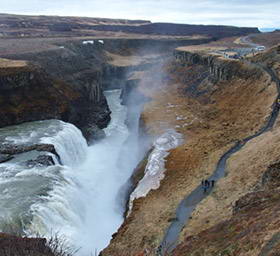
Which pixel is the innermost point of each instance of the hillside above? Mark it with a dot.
(215, 103)
(18, 26)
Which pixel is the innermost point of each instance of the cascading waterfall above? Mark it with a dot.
(24, 189)
(92, 193)
(70, 145)
(102, 178)
(81, 200)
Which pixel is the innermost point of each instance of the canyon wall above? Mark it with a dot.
(219, 68)
(78, 69)
(82, 69)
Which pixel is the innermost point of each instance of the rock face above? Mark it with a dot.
(71, 92)
(218, 68)
(42, 160)
(17, 149)
(9, 152)
(29, 94)
(5, 157)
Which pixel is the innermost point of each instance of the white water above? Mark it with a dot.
(101, 180)
(70, 145)
(84, 205)
(83, 200)
(27, 193)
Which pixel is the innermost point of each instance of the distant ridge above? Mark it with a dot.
(15, 26)
(180, 29)
(45, 20)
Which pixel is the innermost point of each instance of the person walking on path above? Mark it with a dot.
(204, 188)
(204, 185)
(212, 183)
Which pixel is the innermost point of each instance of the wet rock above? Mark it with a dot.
(43, 160)
(5, 158)
(69, 87)
(93, 133)
(17, 149)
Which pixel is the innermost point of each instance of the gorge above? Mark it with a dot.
(106, 136)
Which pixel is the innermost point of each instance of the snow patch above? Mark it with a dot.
(88, 42)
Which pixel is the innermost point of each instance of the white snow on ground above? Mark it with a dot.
(88, 42)
(155, 167)
(181, 118)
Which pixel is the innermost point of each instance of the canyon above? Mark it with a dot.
(146, 115)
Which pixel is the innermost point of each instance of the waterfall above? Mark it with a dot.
(85, 205)
(32, 196)
(69, 143)
(81, 199)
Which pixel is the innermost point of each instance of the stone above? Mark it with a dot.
(43, 160)
(5, 158)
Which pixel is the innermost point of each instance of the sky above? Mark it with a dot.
(250, 13)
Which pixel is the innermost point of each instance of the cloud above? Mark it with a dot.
(261, 13)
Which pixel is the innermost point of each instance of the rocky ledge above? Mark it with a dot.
(218, 67)
(28, 93)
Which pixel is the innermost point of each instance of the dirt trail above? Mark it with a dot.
(189, 203)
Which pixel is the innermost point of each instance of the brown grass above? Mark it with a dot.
(233, 110)
(5, 63)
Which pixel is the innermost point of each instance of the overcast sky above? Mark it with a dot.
(257, 13)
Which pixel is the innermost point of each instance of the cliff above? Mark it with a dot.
(219, 68)
(28, 93)
(79, 67)
(86, 69)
